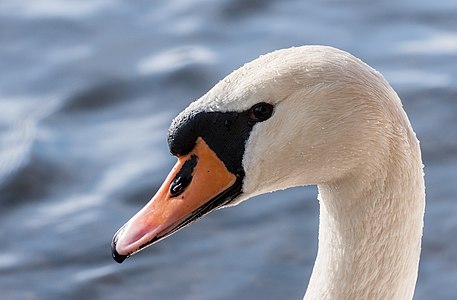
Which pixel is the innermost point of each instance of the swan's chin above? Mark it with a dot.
(198, 184)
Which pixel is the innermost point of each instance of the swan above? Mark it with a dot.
(294, 117)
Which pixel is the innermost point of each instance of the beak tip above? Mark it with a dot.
(119, 258)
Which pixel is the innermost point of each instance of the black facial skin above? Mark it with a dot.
(226, 134)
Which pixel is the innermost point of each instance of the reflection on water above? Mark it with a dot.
(88, 90)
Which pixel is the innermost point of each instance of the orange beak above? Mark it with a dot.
(197, 184)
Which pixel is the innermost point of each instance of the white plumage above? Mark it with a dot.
(338, 124)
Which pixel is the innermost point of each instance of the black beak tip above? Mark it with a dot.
(119, 258)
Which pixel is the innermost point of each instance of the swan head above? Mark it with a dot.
(298, 116)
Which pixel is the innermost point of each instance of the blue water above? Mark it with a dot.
(88, 90)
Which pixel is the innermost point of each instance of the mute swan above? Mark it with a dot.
(301, 116)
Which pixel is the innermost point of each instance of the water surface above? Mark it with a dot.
(88, 90)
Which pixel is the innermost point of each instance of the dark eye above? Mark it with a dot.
(260, 112)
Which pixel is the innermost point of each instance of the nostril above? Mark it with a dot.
(178, 185)
(184, 177)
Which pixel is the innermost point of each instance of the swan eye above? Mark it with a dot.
(260, 112)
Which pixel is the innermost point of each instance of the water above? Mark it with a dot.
(88, 90)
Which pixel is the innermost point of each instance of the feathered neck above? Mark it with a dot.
(370, 230)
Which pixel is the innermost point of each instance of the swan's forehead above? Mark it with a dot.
(238, 92)
(274, 77)
(270, 78)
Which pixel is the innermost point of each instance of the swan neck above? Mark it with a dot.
(370, 233)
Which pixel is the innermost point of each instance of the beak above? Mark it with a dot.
(197, 184)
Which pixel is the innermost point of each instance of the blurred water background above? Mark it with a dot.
(88, 89)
